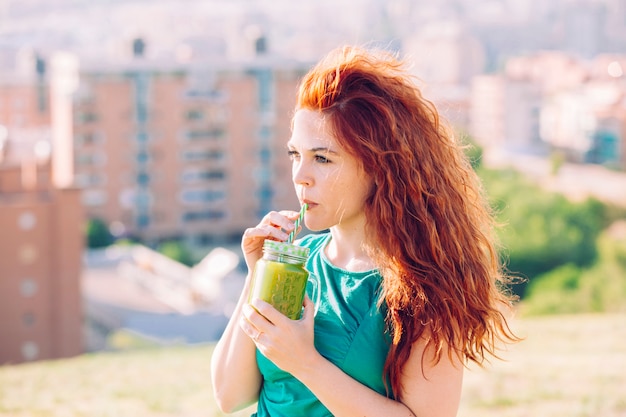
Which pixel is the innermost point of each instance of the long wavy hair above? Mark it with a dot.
(430, 229)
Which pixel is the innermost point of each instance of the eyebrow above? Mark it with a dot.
(317, 149)
(323, 149)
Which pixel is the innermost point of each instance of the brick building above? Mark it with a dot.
(199, 152)
(41, 237)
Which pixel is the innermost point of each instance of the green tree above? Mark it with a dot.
(98, 234)
(555, 292)
(542, 230)
(473, 151)
(570, 289)
(177, 251)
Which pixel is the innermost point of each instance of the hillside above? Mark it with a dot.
(567, 366)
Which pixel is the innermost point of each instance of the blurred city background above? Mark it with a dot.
(138, 139)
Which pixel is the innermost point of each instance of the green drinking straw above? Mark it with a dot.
(304, 207)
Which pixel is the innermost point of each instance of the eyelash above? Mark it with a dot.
(318, 158)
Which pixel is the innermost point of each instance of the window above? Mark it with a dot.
(28, 254)
(194, 216)
(142, 137)
(87, 139)
(91, 159)
(26, 221)
(93, 198)
(203, 155)
(218, 114)
(28, 287)
(142, 156)
(264, 79)
(202, 196)
(143, 220)
(143, 178)
(28, 319)
(191, 176)
(194, 115)
(30, 351)
(209, 134)
(265, 155)
(86, 117)
(85, 180)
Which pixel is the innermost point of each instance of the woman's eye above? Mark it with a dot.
(295, 156)
(322, 159)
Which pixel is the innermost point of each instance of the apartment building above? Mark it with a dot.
(196, 151)
(41, 242)
(552, 101)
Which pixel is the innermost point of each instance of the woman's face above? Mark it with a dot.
(326, 177)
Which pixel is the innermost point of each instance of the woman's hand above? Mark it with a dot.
(275, 226)
(282, 340)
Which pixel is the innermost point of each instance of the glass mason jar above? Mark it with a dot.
(280, 277)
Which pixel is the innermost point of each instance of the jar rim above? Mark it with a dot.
(284, 248)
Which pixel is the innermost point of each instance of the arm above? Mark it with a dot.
(234, 372)
(429, 390)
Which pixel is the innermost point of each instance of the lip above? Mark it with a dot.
(310, 204)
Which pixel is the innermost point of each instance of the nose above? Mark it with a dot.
(300, 174)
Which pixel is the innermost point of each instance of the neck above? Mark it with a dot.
(345, 250)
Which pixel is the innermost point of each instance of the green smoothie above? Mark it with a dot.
(280, 284)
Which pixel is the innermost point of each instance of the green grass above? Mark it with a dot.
(567, 366)
(141, 383)
(571, 366)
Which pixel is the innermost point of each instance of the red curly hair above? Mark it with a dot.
(430, 229)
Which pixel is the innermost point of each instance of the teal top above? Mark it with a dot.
(349, 331)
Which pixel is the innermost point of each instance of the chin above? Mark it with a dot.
(315, 228)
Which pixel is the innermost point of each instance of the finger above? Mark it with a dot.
(248, 328)
(282, 220)
(309, 308)
(268, 312)
(253, 333)
(264, 232)
(290, 214)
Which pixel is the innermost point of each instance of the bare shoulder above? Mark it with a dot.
(430, 387)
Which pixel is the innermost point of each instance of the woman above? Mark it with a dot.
(408, 270)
